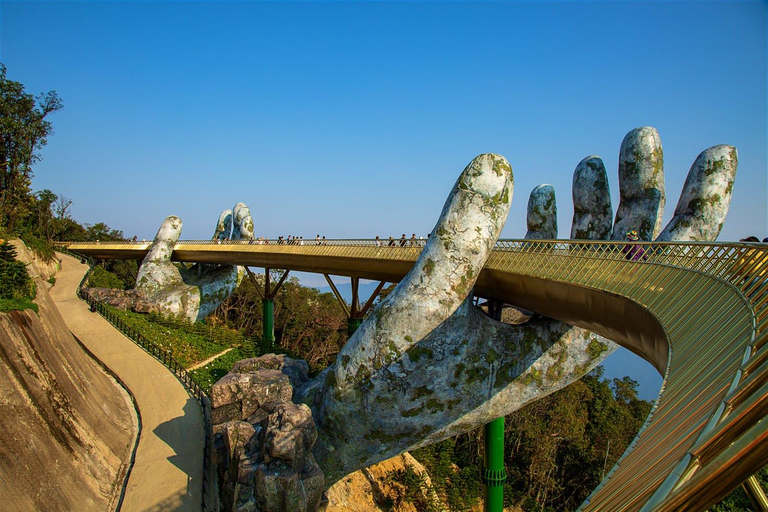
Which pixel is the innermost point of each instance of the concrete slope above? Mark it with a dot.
(168, 472)
(67, 429)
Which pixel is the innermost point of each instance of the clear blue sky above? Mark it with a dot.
(353, 119)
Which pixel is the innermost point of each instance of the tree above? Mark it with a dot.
(23, 131)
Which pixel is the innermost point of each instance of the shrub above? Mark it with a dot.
(101, 278)
(17, 289)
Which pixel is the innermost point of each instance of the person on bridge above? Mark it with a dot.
(633, 252)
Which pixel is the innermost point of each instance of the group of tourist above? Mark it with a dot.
(754, 239)
(402, 242)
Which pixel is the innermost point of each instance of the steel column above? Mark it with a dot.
(494, 473)
(269, 322)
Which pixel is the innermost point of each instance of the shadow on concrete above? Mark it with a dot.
(183, 434)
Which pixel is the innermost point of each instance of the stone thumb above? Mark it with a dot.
(165, 239)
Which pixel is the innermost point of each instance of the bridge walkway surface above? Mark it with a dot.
(698, 312)
(167, 473)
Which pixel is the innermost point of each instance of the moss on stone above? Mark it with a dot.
(416, 353)
(503, 375)
(534, 375)
(596, 348)
(435, 405)
(478, 373)
(421, 391)
(408, 413)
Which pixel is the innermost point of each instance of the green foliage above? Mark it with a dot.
(415, 490)
(102, 278)
(23, 132)
(17, 289)
(209, 374)
(557, 449)
(17, 305)
(308, 323)
(189, 343)
(737, 501)
(455, 471)
(39, 246)
(102, 232)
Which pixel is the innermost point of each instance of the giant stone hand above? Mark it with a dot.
(426, 364)
(195, 292)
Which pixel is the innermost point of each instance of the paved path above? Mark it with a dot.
(168, 472)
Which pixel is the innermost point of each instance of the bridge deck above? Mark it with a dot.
(697, 311)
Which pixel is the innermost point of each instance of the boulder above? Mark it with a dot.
(263, 441)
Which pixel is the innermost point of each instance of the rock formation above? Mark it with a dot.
(67, 429)
(263, 440)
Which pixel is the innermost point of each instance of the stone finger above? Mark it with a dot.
(156, 273)
(242, 228)
(223, 226)
(641, 183)
(166, 237)
(542, 213)
(444, 274)
(706, 196)
(592, 210)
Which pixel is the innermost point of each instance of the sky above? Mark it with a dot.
(354, 119)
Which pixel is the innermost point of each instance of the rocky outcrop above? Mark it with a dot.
(263, 440)
(67, 429)
(127, 300)
(376, 488)
(37, 266)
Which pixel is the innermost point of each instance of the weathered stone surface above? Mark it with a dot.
(592, 211)
(542, 213)
(641, 183)
(250, 390)
(127, 300)
(296, 369)
(706, 196)
(290, 433)
(265, 463)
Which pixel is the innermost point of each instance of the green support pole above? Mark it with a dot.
(353, 324)
(269, 323)
(494, 473)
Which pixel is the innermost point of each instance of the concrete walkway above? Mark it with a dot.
(168, 472)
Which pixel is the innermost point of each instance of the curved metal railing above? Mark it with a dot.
(697, 311)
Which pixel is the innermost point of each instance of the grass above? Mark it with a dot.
(209, 374)
(17, 304)
(188, 343)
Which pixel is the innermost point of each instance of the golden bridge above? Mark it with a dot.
(698, 312)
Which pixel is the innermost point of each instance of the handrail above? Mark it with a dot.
(698, 311)
(167, 359)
